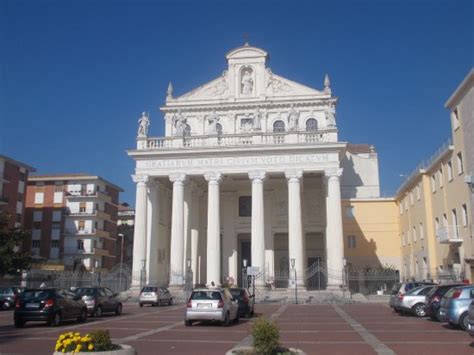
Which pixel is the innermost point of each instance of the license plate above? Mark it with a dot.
(204, 305)
(32, 305)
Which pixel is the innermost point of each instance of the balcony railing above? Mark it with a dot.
(93, 232)
(449, 234)
(91, 213)
(243, 139)
(86, 251)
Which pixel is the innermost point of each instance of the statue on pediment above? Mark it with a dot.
(143, 125)
(257, 120)
(179, 123)
(247, 82)
(212, 121)
(330, 113)
(293, 117)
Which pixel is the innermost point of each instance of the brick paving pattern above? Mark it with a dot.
(316, 329)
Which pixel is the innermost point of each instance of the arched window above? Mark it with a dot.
(311, 125)
(218, 128)
(187, 131)
(278, 126)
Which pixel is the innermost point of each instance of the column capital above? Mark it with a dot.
(213, 177)
(333, 173)
(140, 178)
(294, 175)
(177, 177)
(258, 175)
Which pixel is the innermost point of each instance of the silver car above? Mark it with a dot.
(211, 304)
(455, 306)
(414, 301)
(155, 295)
(470, 322)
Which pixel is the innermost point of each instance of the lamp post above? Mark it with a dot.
(296, 288)
(121, 261)
(244, 273)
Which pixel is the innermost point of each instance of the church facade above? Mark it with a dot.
(250, 168)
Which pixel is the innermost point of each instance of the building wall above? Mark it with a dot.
(374, 223)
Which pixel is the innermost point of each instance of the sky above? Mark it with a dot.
(75, 75)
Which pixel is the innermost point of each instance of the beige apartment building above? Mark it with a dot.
(435, 203)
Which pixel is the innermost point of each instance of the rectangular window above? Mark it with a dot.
(454, 218)
(350, 212)
(55, 244)
(433, 183)
(56, 225)
(35, 244)
(440, 177)
(39, 198)
(401, 207)
(450, 171)
(80, 244)
(406, 204)
(445, 220)
(351, 242)
(82, 207)
(414, 234)
(57, 216)
(465, 219)
(411, 198)
(36, 225)
(418, 192)
(422, 233)
(245, 206)
(455, 118)
(37, 216)
(436, 223)
(81, 225)
(460, 164)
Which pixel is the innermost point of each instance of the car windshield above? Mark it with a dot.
(416, 290)
(149, 289)
(237, 294)
(37, 295)
(206, 295)
(85, 291)
(395, 289)
(6, 290)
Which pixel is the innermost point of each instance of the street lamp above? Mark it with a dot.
(292, 261)
(244, 273)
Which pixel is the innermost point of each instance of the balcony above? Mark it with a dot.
(3, 200)
(85, 194)
(92, 214)
(449, 234)
(86, 251)
(88, 232)
(242, 139)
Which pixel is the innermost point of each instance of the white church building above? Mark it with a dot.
(250, 168)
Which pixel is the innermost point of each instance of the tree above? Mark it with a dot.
(12, 259)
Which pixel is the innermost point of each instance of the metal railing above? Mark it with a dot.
(449, 234)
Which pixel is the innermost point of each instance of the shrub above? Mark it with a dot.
(265, 336)
(95, 341)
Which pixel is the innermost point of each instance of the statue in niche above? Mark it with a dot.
(330, 113)
(212, 120)
(293, 117)
(257, 120)
(143, 125)
(247, 81)
(179, 122)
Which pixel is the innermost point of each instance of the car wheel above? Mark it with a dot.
(19, 323)
(98, 312)
(83, 316)
(158, 303)
(463, 321)
(438, 315)
(419, 310)
(56, 320)
(226, 322)
(118, 310)
(140, 304)
(170, 302)
(188, 323)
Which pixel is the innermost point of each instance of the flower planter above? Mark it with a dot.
(250, 350)
(125, 350)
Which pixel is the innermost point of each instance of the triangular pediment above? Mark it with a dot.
(214, 89)
(279, 86)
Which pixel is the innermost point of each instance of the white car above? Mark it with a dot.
(155, 295)
(414, 301)
(211, 304)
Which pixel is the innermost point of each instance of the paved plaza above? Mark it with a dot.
(316, 329)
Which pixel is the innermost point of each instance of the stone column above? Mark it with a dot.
(229, 240)
(213, 229)
(139, 235)
(334, 238)
(258, 222)
(269, 238)
(195, 233)
(187, 223)
(153, 221)
(295, 227)
(177, 231)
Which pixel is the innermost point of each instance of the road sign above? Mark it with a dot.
(253, 270)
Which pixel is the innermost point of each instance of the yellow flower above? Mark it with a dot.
(90, 347)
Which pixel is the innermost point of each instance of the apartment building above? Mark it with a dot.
(435, 204)
(125, 228)
(13, 176)
(73, 218)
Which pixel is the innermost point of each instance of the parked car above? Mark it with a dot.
(455, 306)
(403, 287)
(214, 304)
(433, 299)
(100, 300)
(7, 296)
(414, 301)
(246, 302)
(470, 322)
(50, 305)
(155, 295)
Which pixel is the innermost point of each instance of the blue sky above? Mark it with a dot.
(75, 75)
